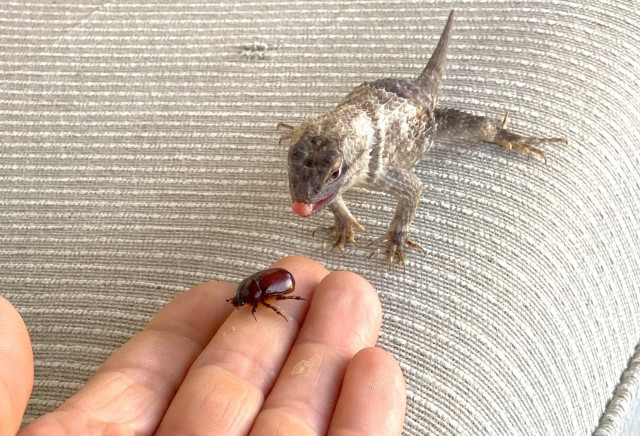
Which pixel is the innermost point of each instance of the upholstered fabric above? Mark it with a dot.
(139, 157)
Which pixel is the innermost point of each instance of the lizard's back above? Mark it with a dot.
(401, 111)
(401, 114)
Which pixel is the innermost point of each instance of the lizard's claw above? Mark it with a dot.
(343, 232)
(523, 144)
(394, 243)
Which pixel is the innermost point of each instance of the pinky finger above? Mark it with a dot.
(373, 397)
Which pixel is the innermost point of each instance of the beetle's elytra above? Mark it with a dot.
(269, 283)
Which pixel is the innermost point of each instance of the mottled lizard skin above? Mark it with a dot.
(374, 138)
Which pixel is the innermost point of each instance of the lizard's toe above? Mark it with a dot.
(393, 246)
(342, 233)
(414, 246)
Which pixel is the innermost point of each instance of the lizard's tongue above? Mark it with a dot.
(302, 209)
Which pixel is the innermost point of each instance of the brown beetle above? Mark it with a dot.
(273, 282)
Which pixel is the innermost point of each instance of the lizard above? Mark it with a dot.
(373, 138)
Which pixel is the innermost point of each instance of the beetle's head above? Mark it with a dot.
(238, 300)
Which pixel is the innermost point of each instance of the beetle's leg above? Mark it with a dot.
(253, 311)
(289, 297)
(275, 310)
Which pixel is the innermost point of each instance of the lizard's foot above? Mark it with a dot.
(394, 243)
(285, 136)
(524, 144)
(343, 232)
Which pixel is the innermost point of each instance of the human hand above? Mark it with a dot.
(201, 367)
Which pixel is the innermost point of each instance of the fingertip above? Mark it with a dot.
(373, 383)
(301, 265)
(380, 367)
(16, 368)
(307, 273)
(351, 295)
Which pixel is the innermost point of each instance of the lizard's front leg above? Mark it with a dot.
(406, 187)
(344, 224)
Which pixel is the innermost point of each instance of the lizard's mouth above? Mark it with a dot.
(306, 209)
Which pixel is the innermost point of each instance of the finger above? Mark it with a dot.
(373, 399)
(16, 368)
(226, 385)
(132, 389)
(344, 317)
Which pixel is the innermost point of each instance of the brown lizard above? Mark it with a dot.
(374, 138)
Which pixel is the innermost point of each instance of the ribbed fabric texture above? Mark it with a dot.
(617, 417)
(139, 157)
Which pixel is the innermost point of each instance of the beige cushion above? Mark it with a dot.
(140, 157)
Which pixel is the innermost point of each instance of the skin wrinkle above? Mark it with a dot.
(149, 375)
(96, 421)
(125, 384)
(228, 409)
(245, 396)
(248, 367)
(193, 333)
(133, 414)
(290, 416)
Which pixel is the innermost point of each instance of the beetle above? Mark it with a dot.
(272, 282)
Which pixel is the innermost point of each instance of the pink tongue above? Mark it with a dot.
(302, 209)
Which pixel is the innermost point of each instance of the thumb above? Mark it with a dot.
(16, 368)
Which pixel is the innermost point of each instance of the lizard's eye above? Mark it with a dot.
(335, 174)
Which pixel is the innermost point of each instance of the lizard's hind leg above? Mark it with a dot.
(513, 141)
(455, 123)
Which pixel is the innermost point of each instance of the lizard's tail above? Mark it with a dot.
(431, 76)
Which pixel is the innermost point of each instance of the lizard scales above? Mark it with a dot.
(373, 138)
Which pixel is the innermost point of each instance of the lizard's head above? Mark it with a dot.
(317, 172)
